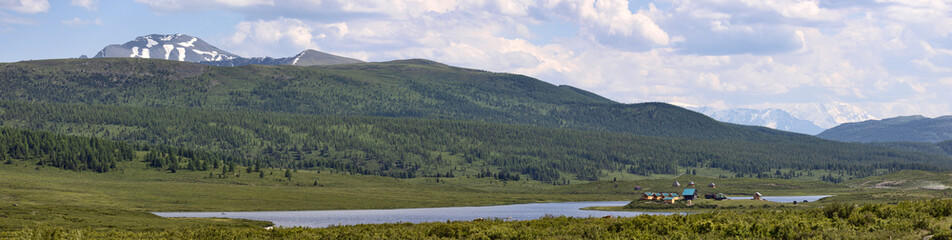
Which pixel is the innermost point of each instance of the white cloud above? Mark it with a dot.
(262, 34)
(880, 55)
(25, 6)
(79, 22)
(610, 22)
(90, 5)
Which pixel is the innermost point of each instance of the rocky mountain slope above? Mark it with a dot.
(181, 47)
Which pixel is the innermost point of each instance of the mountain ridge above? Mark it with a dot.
(401, 88)
(178, 47)
(915, 128)
(185, 48)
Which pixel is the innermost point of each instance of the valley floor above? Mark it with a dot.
(38, 201)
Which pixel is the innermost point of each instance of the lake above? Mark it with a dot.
(529, 211)
(416, 215)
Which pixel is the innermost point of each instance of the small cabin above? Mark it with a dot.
(689, 194)
(712, 185)
(676, 184)
(709, 196)
(648, 196)
(670, 199)
(691, 184)
(758, 196)
(637, 188)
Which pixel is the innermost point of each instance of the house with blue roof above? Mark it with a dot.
(689, 194)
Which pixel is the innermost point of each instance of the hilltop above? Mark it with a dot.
(405, 88)
(897, 129)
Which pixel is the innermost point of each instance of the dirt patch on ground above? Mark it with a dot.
(934, 186)
(889, 184)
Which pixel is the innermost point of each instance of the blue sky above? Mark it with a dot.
(889, 57)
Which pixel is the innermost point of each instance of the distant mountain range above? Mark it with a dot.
(898, 129)
(828, 115)
(186, 48)
(772, 118)
(811, 118)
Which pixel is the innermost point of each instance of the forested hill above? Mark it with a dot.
(405, 88)
(898, 129)
(414, 147)
(405, 119)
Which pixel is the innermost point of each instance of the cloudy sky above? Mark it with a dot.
(889, 57)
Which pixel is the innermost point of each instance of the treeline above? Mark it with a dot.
(174, 159)
(95, 154)
(941, 148)
(406, 147)
(62, 151)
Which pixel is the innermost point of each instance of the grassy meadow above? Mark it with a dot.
(46, 202)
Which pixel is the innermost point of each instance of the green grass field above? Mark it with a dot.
(43, 197)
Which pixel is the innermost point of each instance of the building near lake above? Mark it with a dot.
(648, 196)
(758, 196)
(664, 197)
(689, 194)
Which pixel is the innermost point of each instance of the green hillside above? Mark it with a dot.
(411, 147)
(407, 119)
(406, 88)
(898, 129)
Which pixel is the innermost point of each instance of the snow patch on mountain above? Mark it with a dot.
(144, 53)
(150, 43)
(190, 43)
(297, 58)
(168, 49)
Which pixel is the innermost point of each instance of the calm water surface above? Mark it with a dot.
(419, 215)
(416, 215)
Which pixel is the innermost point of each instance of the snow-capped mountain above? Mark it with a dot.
(772, 118)
(305, 58)
(183, 47)
(828, 115)
(179, 47)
